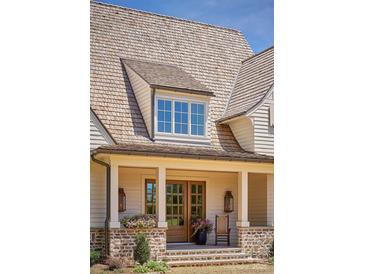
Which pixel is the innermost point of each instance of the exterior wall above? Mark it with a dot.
(97, 239)
(270, 200)
(123, 241)
(263, 133)
(142, 92)
(242, 130)
(217, 183)
(253, 132)
(97, 195)
(257, 199)
(98, 135)
(255, 241)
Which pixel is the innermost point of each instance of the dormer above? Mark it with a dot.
(174, 105)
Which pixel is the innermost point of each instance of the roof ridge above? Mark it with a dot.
(168, 16)
(257, 54)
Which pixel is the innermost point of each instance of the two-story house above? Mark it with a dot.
(181, 114)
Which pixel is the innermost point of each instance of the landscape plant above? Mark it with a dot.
(141, 253)
(152, 266)
(95, 257)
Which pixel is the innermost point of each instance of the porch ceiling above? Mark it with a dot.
(179, 151)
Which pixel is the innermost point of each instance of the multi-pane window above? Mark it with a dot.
(197, 200)
(181, 117)
(197, 119)
(164, 116)
(150, 197)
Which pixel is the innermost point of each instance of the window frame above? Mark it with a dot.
(147, 181)
(189, 101)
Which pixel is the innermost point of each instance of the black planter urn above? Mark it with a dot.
(201, 237)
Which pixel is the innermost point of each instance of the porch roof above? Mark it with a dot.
(182, 151)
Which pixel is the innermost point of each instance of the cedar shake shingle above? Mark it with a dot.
(166, 76)
(254, 80)
(209, 54)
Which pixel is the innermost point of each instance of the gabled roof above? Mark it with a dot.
(211, 55)
(254, 80)
(166, 77)
(182, 151)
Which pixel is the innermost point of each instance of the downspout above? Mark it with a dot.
(106, 225)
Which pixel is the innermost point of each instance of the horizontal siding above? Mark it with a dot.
(270, 199)
(98, 135)
(257, 199)
(263, 133)
(97, 195)
(142, 92)
(242, 130)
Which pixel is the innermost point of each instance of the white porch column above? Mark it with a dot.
(243, 199)
(161, 196)
(270, 199)
(114, 187)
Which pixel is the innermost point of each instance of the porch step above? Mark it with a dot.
(206, 256)
(212, 262)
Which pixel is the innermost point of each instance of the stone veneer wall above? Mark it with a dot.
(255, 241)
(98, 243)
(123, 240)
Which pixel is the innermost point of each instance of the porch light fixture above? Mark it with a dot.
(228, 202)
(122, 200)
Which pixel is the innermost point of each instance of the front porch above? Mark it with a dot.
(177, 190)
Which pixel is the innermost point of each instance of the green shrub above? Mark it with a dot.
(152, 266)
(160, 267)
(141, 252)
(95, 257)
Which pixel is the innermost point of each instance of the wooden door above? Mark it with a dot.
(176, 211)
(196, 203)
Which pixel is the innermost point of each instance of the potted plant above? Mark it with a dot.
(201, 227)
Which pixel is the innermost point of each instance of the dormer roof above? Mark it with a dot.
(165, 76)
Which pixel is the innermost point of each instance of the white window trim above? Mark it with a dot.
(180, 136)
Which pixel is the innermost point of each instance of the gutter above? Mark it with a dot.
(106, 224)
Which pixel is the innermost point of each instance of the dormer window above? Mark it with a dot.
(188, 119)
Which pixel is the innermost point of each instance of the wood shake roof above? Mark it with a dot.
(254, 80)
(209, 54)
(166, 76)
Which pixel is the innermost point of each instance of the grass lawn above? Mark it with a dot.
(244, 268)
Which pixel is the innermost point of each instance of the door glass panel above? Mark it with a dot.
(175, 204)
(197, 201)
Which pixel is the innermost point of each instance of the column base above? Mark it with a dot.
(114, 224)
(242, 224)
(162, 224)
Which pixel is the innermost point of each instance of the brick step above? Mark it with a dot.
(202, 251)
(205, 257)
(213, 262)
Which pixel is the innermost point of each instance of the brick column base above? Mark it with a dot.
(255, 241)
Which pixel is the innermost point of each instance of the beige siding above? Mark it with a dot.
(142, 92)
(270, 200)
(97, 195)
(242, 130)
(217, 183)
(257, 199)
(98, 135)
(263, 133)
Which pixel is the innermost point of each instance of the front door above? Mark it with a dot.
(184, 201)
(176, 211)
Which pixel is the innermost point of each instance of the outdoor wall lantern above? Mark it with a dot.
(122, 200)
(228, 202)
